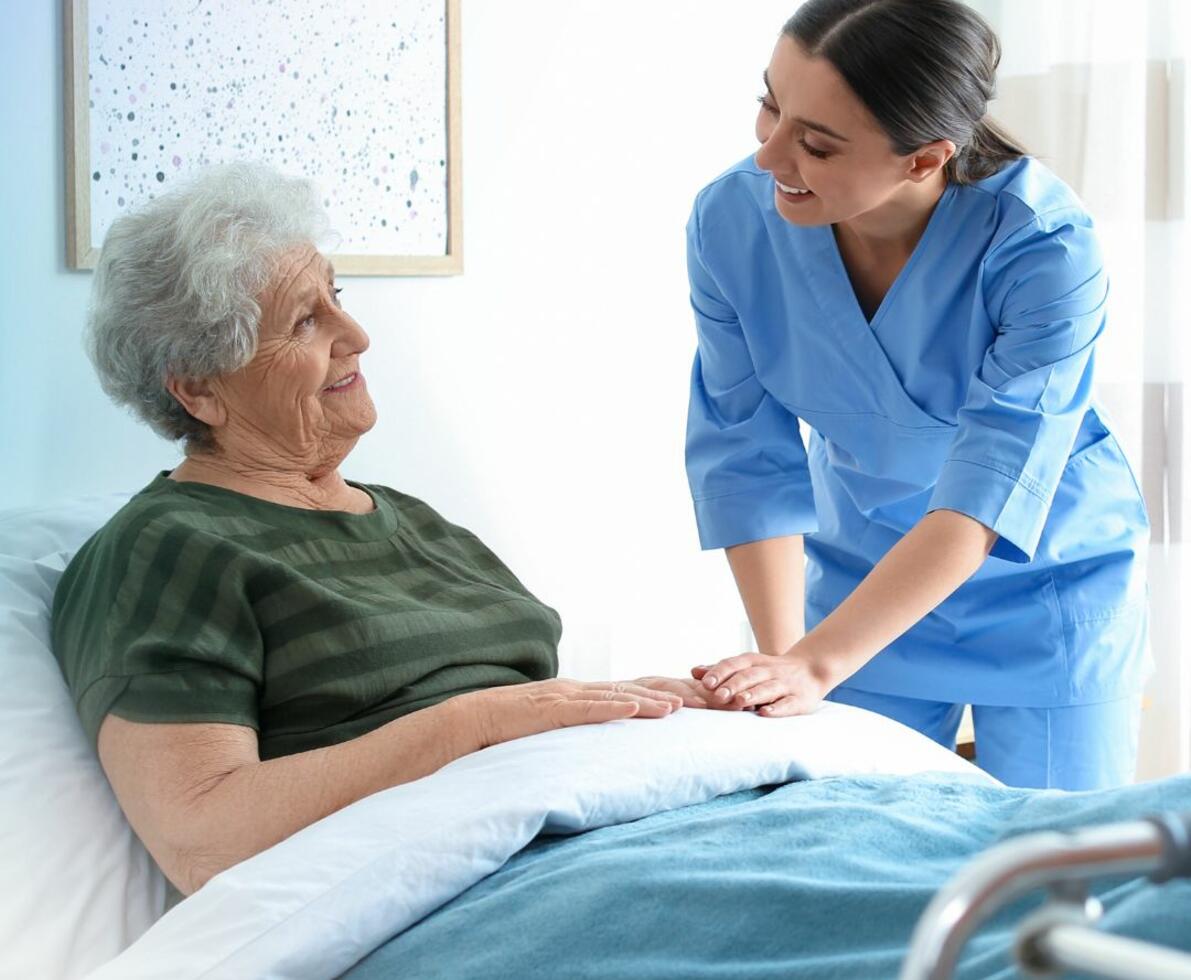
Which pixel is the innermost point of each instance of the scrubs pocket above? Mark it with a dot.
(1096, 535)
(1108, 657)
(1097, 540)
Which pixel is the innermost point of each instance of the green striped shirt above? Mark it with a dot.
(199, 604)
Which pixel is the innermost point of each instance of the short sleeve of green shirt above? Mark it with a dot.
(152, 624)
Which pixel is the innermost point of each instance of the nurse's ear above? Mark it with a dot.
(929, 159)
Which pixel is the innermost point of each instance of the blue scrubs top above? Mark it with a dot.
(970, 390)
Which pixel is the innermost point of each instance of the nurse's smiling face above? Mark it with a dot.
(817, 136)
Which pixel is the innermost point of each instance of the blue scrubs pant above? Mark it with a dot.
(1086, 746)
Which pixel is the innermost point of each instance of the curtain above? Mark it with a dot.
(1097, 90)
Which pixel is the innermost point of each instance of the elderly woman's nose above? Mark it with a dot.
(352, 338)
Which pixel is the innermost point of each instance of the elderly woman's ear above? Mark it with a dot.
(199, 400)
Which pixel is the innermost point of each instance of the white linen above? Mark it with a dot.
(79, 887)
(321, 900)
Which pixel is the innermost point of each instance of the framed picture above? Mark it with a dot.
(365, 103)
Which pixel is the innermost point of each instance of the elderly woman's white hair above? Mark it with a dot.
(176, 285)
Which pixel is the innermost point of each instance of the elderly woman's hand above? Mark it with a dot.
(501, 714)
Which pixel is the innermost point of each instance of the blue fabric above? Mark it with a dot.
(1078, 747)
(820, 879)
(970, 391)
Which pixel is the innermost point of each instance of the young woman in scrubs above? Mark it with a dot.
(894, 272)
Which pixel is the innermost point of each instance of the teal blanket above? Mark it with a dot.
(818, 879)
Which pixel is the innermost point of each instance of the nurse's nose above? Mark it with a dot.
(770, 156)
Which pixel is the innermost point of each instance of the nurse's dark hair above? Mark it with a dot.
(926, 70)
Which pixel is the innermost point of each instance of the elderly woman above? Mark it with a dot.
(253, 641)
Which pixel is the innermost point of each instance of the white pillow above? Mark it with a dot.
(78, 885)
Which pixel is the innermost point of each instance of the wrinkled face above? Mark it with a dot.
(816, 135)
(302, 400)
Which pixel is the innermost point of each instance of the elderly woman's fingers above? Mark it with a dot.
(575, 711)
(595, 708)
(693, 698)
(688, 692)
(660, 690)
(650, 704)
(637, 689)
(653, 706)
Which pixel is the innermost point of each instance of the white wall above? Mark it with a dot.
(540, 398)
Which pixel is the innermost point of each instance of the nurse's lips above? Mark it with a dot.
(792, 192)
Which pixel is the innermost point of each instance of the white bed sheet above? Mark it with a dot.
(321, 900)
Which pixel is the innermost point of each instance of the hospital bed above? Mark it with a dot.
(585, 852)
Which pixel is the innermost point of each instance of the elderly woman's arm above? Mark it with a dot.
(201, 800)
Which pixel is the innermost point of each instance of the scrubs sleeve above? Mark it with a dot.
(1045, 289)
(745, 461)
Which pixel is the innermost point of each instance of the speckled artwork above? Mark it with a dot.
(351, 95)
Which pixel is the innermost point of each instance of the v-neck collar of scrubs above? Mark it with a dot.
(840, 269)
(861, 342)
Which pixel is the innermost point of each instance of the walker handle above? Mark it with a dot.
(1175, 831)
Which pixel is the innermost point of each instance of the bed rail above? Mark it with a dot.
(1061, 935)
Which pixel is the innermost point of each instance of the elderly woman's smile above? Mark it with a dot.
(345, 383)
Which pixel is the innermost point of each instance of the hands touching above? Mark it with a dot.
(774, 686)
(500, 714)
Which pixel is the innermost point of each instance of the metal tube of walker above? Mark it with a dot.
(1100, 954)
(1016, 867)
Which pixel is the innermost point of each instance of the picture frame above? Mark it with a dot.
(392, 186)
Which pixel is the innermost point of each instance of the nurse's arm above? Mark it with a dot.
(939, 554)
(770, 578)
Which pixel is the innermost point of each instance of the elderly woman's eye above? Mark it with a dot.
(304, 323)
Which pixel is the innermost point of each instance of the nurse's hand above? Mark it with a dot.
(775, 686)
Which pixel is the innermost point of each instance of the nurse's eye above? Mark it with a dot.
(335, 295)
(820, 154)
(767, 105)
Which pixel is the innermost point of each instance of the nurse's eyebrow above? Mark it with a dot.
(817, 127)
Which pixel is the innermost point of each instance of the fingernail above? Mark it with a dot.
(746, 696)
(723, 694)
(709, 680)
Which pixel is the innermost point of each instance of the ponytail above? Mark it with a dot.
(988, 150)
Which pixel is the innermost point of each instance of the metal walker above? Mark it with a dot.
(1061, 935)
